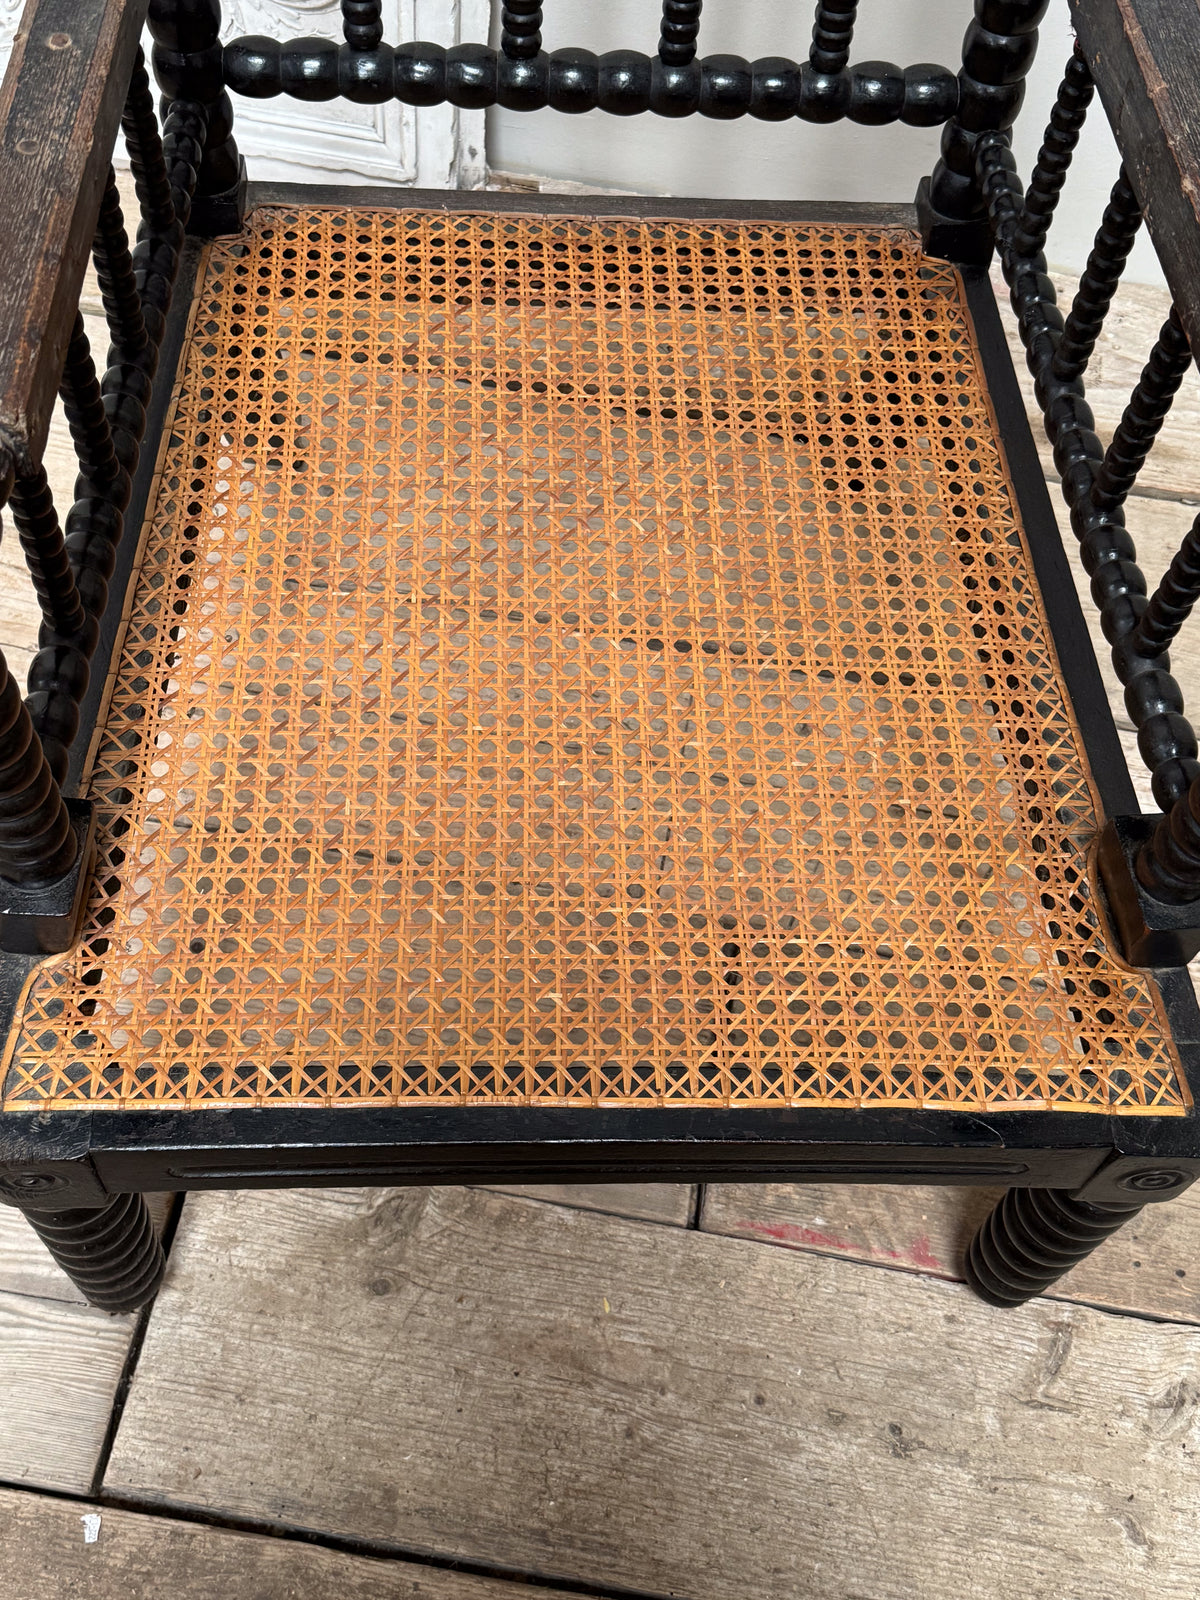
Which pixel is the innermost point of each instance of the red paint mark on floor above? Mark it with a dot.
(791, 1233)
(921, 1255)
(918, 1254)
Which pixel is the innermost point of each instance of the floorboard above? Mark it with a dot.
(1151, 1268)
(72, 1550)
(60, 1366)
(672, 1412)
(671, 1203)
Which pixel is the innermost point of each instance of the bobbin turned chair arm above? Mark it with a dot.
(76, 73)
(1143, 58)
(60, 106)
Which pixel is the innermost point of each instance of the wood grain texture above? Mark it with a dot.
(59, 109)
(26, 1266)
(60, 1365)
(44, 1556)
(1145, 58)
(558, 1391)
(1151, 1267)
(650, 1202)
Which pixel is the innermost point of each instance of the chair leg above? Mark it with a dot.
(112, 1255)
(1031, 1238)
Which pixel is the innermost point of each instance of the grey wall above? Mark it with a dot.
(755, 160)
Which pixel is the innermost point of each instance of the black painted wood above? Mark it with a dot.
(111, 1254)
(1153, 698)
(834, 213)
(362, 23)
(60, 672)
(622, 82)
(997, 52)
(114, 273)
(1054, 158)
(188, 62)
(313, 1146)
(833, 29)
(37, 842)
(679, 31)
(1171, 603)
(1033, 1237)
(1106, 262)
(1168, 865)
(1144, 416)
(87, 420)
(108, 420)
(1145, 57)
(520, 29)
(143, 142)
(33, 512)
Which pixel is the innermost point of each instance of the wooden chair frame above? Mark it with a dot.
(77, 74)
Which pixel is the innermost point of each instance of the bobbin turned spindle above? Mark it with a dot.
(679, 31)
(362, 23)
(833, 30)
(189, 65)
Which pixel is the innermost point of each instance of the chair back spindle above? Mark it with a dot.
(362, 23)
(520, 29)
(679, 30)
(832, 33)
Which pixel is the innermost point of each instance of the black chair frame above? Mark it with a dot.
(78, 73)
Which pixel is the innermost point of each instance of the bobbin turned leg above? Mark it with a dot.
(1032, 1237)
(112, 1255)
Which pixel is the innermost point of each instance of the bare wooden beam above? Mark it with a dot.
(60, 105)
(1145, 58)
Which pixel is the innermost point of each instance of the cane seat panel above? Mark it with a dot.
(587, 661)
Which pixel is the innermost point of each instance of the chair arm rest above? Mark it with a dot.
(60, 106)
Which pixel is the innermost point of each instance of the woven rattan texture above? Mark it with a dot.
(587, 661)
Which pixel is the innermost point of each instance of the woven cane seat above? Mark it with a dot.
(587, 661)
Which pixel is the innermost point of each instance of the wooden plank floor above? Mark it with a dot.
(760, 1391)
(56, 1550)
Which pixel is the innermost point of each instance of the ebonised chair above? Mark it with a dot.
(542, 690)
